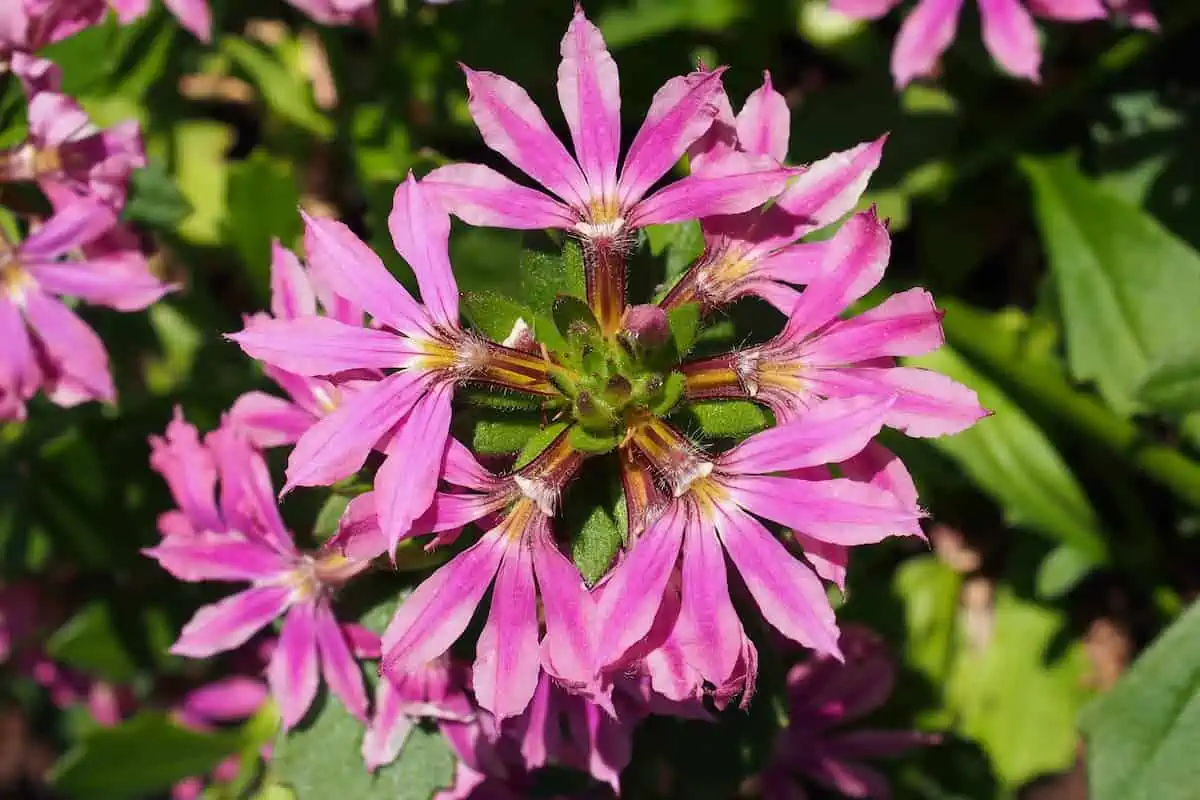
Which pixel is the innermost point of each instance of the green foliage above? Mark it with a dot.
(1173, 386)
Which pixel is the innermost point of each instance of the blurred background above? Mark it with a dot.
(1056, 223)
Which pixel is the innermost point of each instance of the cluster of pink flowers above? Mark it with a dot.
(563, 671)
(1009, 31)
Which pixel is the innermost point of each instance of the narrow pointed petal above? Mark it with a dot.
(450, 510)
(408, 479)
(438, 611)
(926, 33)
(339, 258)
(230, 623)
(831, 188)
(190, 471)
(313, 346)
(338, 444)
(512, 125)
(681, 111)
(711, 194)
(905, 324)
(882, 469)
(927, 403)
(194, 16)
(247, 496)
(221, 556)
(75, 352)
(833, 431)
(798, 264)
(388, 729)
(18, 366)
(79, 223)
(863, 9)
(269, 421)
(1068, 10)
(838, 511)
(100, 282)
(231, 699)
(461, 468)
(765, 123)
(787, 593)
(506, 657)
(829, 561)
(292, 293)
(590, 95)
(358, 535)
(708, 629)
(569, 612)
(1011, 37)
(293, 673)
(420, 230)
(341, 671)
(479, 195)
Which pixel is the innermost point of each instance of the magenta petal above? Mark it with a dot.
(337, 662)
(194, 16)
(231, 699)
(338, 444)
(217, 557)
(829, 561)
(479, 195)
(408, 479)
(461, 468)
(321, 345)
(905, 324)
(420, 231)
(1069, 10)
(681, 111)
(74, 351)
(926, 33)
(708, 195)
(292, 293)
(388, 729)
(75, 225)
(113, 283)
(927, 403)
(1011, 37)
(512, 125)
(338, 258)
(830, 188)
(708, 630)
(230, 623)
(764, 123)
(881, 468)
(247, 496)
(293, 673)
(786, 591)
(438, 611)
(832, 431)
(19, 374)
(569, 612)
(838, 511)
(190, 471)
(863, 9)
(506, 657)
(589, 92)
(269, 421)
(359, 536)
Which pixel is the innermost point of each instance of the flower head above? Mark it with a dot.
(436, 690)
(29, 25)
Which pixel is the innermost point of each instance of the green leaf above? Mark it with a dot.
(501, 433)
(330, 515)
(539, 442)
(1009, 458)
(573, 318)
(682, 243)
(322, 760)
(928, 591)
(1128, 287)
(1173, 386)
(1062, 570)
(1017, 697)
(202, 174)
(262, 201)
(97, 639)
(493, 314)
(684, 323)
(145, 754)
(285, 90)
(595, 443)
(594, 517)
(1142, 736)
(154, 199)
(728, 419)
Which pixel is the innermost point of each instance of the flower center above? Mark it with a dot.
(604, 220)
(15, 281)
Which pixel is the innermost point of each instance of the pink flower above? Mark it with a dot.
(241, 537)
(270, 421)
(587, 195)
(820, 356)
(1009, 32)
(759, 252)
(65, 154)
(228, 700)
(436, 690)
(519, 556)
(824, 694)
(29, 25)
(407, 413)
(714, 514)
(42, 342)
(193, 15)
(338, 12)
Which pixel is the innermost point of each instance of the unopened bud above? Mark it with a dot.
(646, 326)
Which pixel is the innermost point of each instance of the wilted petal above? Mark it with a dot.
(764, 123)
(787, 593)
(293, 673)
(512, 125)
(337, 662)
(408, 479)
(321, 345)
(479, 195)
(420, 231)
(269, 421)
(1011, 37)
(74, 351)
(506, 656)
(230, 623)
(590, 94)
(926, 33)
(221, 556)
(292, 293)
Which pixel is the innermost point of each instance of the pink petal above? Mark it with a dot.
(788, 594)
(421, 233)
(217, 557)
(19, 372)
(569, 612)
(293, 673)
(1068, 10)
(1011, 37)
(590, 95)
(340, 669)
(449, 511)
(438, 611)
(479, 195)
(358, 535)
(338, 258)
(189, 470)
(461, 468)
(506, 657)
(247, 496)
(828, 560)
(115, 283)
(838, 511)
(388, 729)
(230, 623)
(710, 194)
(408, 479)
(905, 324)
(830, 188)
(322, 346)
(764, 123)
(512, 125)
(881, 468)
(269, 421)
(231, 699)
(927, 403)
(129, 10)
(832, 431)
(708, 630)
(292, 293)
(74, 351)
(680, 113)
(863, 9)
(926, 33)
(194, 16)
(339, 443)
(798, 264)
(74, 226)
